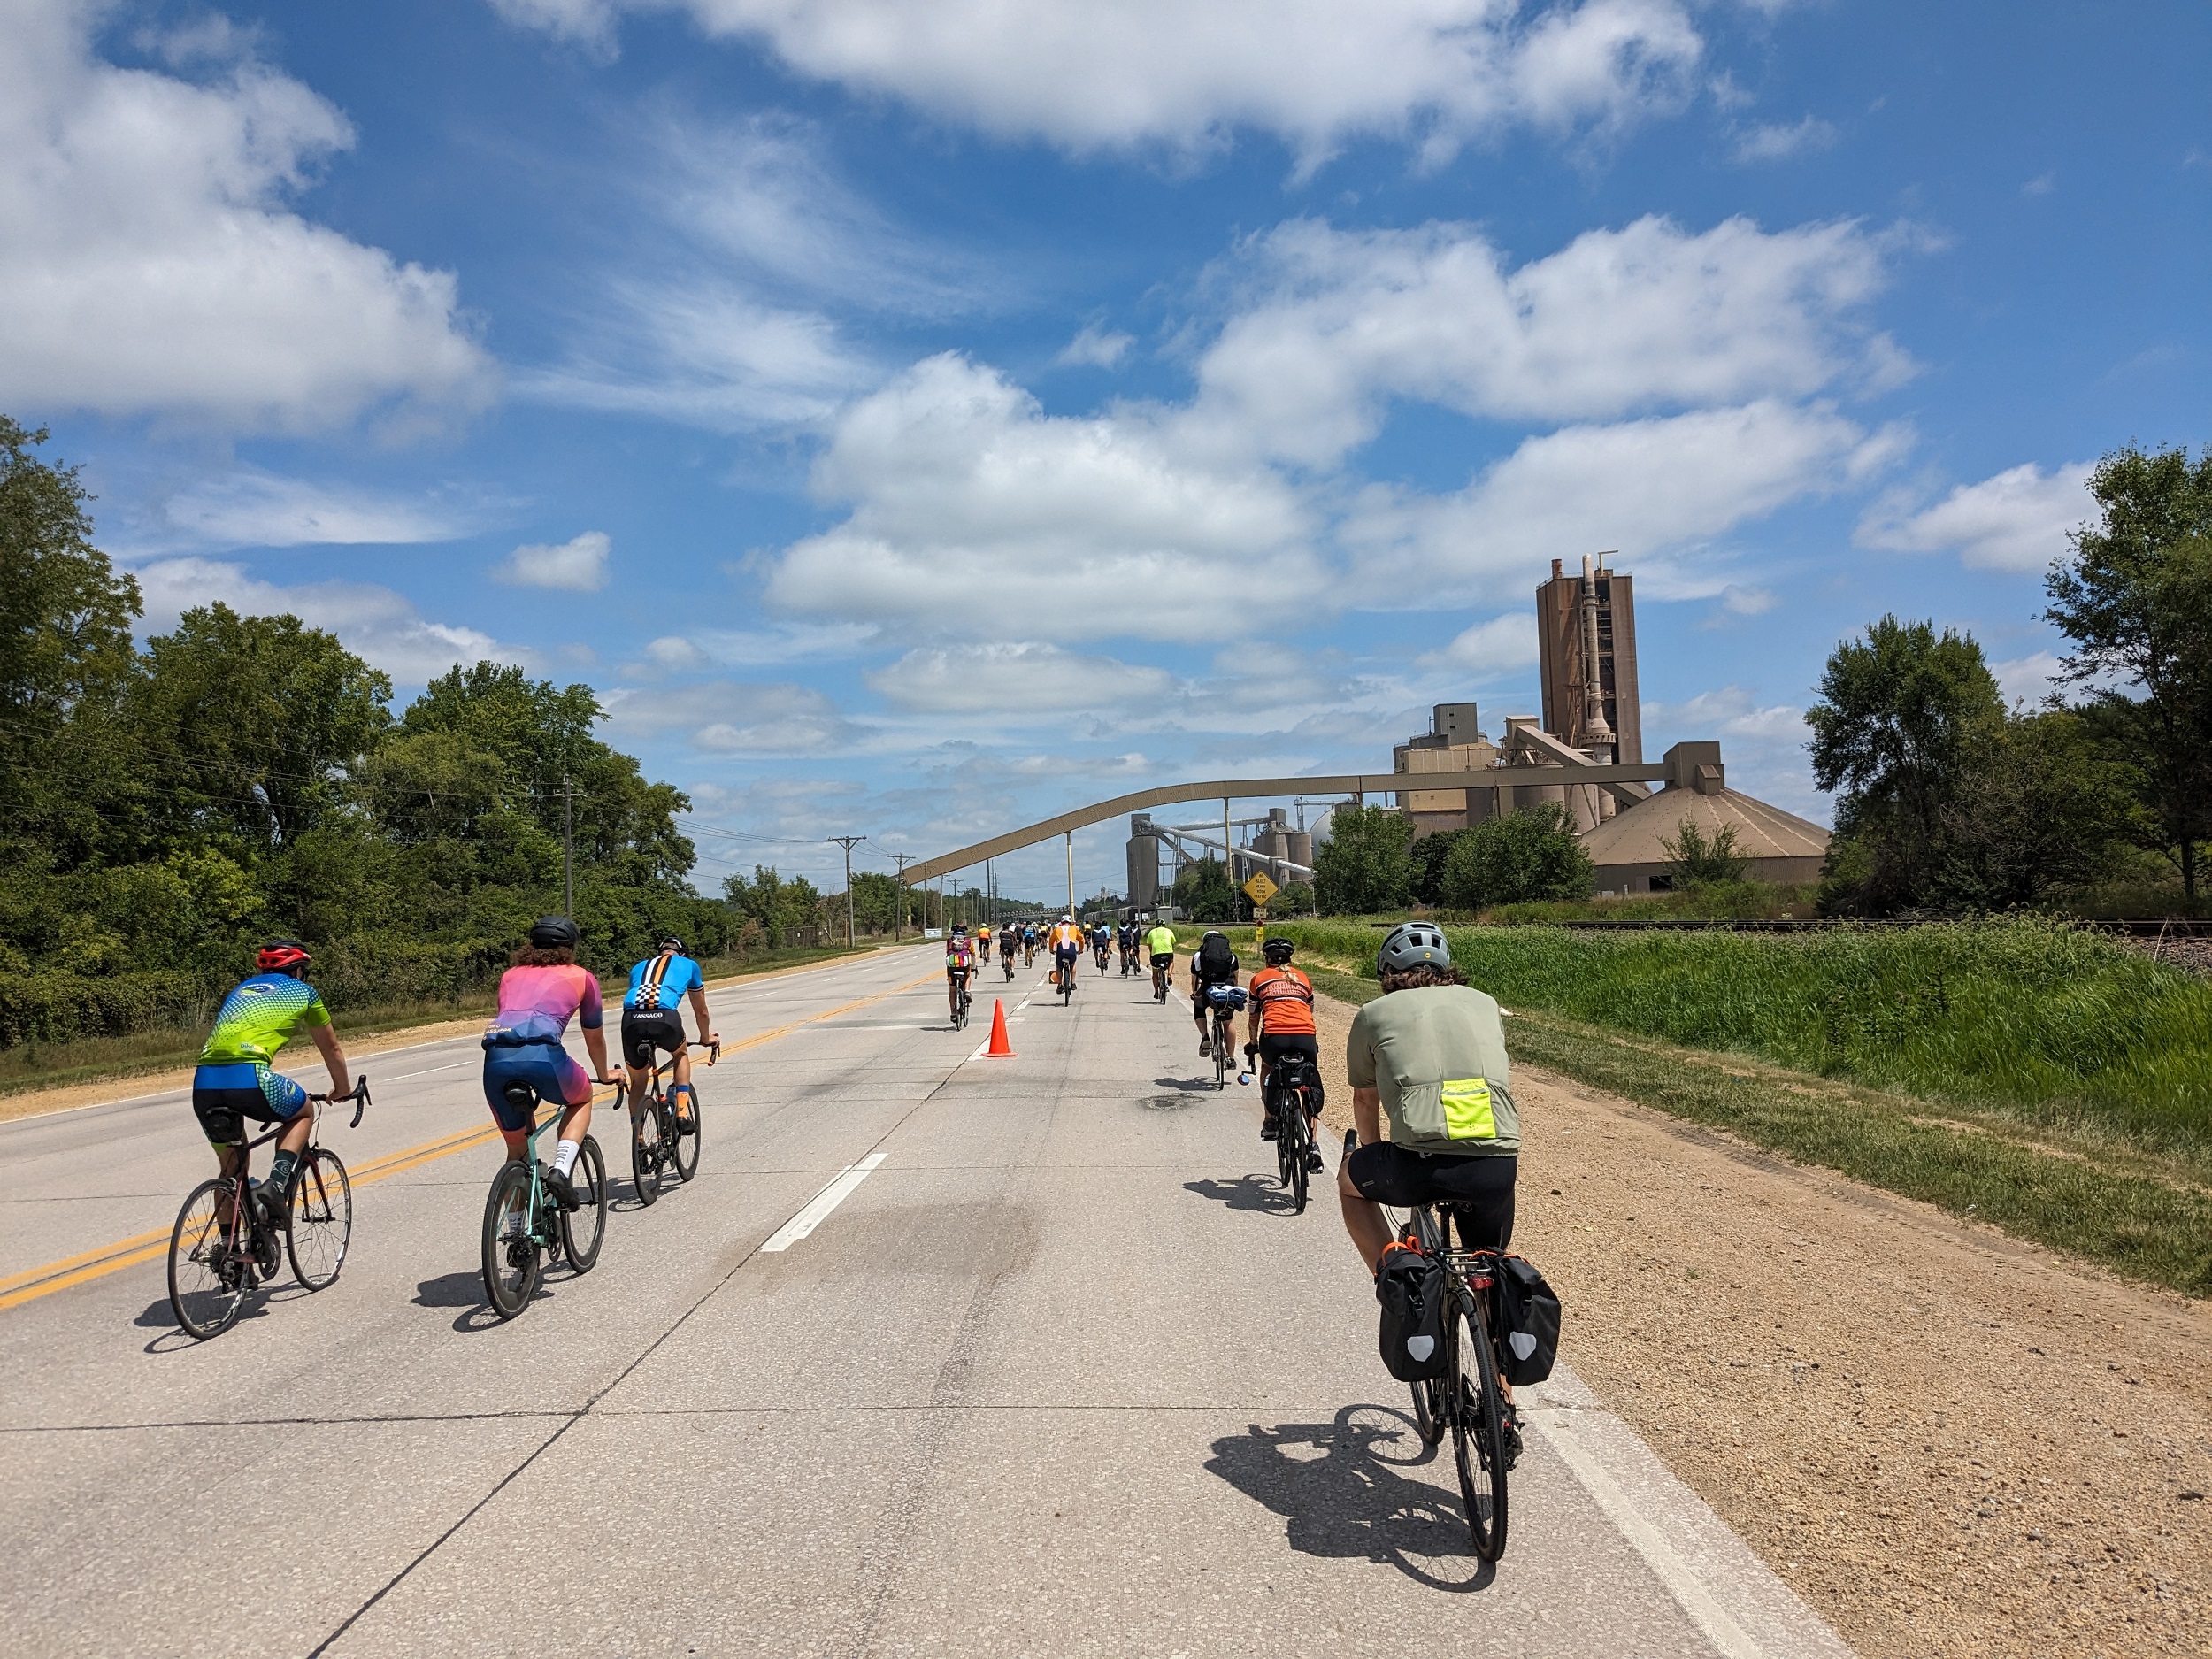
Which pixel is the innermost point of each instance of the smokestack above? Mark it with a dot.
(1558, 570)
(1596, 737)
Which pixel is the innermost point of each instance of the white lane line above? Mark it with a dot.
(819, 1206)
(425, 1071)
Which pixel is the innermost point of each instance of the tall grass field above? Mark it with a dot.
(2031, 1019)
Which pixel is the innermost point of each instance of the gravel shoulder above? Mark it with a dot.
(1947, 1441)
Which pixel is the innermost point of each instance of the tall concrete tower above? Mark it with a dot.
(1586, 635)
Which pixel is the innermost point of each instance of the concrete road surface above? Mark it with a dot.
(1059, 1374)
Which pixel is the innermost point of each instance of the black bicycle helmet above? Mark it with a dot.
(1410, 945)
(554, 932)
(1277, 951)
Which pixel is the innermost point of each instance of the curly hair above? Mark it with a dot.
(542, 957)
(1422, 973)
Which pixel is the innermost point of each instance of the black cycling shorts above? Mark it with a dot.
(646, 1029)
(1163, 958)
(1273, 1048)
(1479, 1190)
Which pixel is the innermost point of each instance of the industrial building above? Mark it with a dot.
(1591, 723)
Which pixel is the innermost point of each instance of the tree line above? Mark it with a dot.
(167, 805)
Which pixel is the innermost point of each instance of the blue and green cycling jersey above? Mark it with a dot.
(260, 1018)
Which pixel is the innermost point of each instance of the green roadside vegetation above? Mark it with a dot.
(2035, 1077)
(35, 1065)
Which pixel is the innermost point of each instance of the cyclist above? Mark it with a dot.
(1008, 938)
(1282, 1022)
(652, 1018)
(1066, 942)
(1102, 942)
(1125, 946)
(1429, 1054)
(1159, 942)
(1213, 963)
(959, 964)
(1029, 944)
(233, 1080)
(983, 945)
(537, 996)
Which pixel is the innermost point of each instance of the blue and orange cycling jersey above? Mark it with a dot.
(660, 982)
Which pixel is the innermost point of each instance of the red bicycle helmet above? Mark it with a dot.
(279, 953)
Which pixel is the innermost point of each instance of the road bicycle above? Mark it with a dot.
(1163, 974)
(961, 1002)
(665, 1136)
(1064, 972)
(1289, 1108)
(1469, 1399)
(1100, 952)
(522, 1223)
(220, 1248)
(1128, 962)
(1006, 958)
(1224, 1003)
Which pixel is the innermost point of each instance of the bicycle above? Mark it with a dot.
(1162, 973)
(1101, 954)
(522, 1223)
(1224, 1003)
(1293, 1127)
(663, 1138)
(221, 1248)
(961, 1002)
(1006, 958)
(1065, 972)
(1474, 1408)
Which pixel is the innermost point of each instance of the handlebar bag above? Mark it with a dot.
(1527, 1313)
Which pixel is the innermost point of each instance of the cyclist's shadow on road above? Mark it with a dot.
(1340, 1488)
(1261, 1193)
(464, 1290)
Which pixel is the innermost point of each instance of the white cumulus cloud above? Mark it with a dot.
(1489, 650)
(371, 621)
(2016, 521)
(578, 564)
(1016, 683)
(153, 263)
(249, 507)
(726, 717)
(1088, 74)
(975, 511)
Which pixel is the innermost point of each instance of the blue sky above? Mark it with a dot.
(915, 420)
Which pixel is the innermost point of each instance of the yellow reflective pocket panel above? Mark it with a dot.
(1468, 1112)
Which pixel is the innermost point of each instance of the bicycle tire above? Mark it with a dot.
(510, 1262)
(686, 1127)
(646, 1153)
(318, 1219)
(584, 1229)
(1292, 1133)
(1221, 1039)
(205, 1292)
(1478, 1433)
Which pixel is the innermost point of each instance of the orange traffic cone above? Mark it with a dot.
(1000, 1049)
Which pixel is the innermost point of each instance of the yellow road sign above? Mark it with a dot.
(1259, 889)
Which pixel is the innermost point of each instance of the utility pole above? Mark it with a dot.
(848, 842)
(898, 916)
(1071, 835)
(569, 797)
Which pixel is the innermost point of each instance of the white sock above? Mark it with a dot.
(564, 1155)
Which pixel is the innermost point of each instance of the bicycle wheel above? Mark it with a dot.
(646, 1152)
(585, 1229)
(1291, 1136)
(510, 1251)
(1221, 1052)
(685, 1121)
(319, 1223)
(1477, 1431)
(207, 1281)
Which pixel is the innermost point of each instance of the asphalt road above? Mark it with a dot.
(1059, 1375)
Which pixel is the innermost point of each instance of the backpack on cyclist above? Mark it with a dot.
(1413, 1289)
(1527, 1311)
(1216, 959)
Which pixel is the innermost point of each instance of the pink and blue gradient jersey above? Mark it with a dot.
(535, 1004)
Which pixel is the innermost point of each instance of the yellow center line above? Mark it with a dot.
(34, 1283)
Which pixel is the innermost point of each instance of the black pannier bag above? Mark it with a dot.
(1527, 1310)
(1413, 1289)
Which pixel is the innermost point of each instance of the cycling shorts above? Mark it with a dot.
(1163, 958)
(223, 1096)
(546, 1067)
(1479, 1190)
(1273, 1048)
(1067, 953)
(646, 1029)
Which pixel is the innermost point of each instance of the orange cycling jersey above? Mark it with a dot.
(1064, 934)
(1284, 999)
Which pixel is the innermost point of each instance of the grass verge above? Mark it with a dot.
(2140, 1215)
(33, 1066)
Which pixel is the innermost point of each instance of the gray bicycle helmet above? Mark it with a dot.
(1277, 951)
(1411, 944)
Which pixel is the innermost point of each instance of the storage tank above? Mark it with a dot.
(1144, 862)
